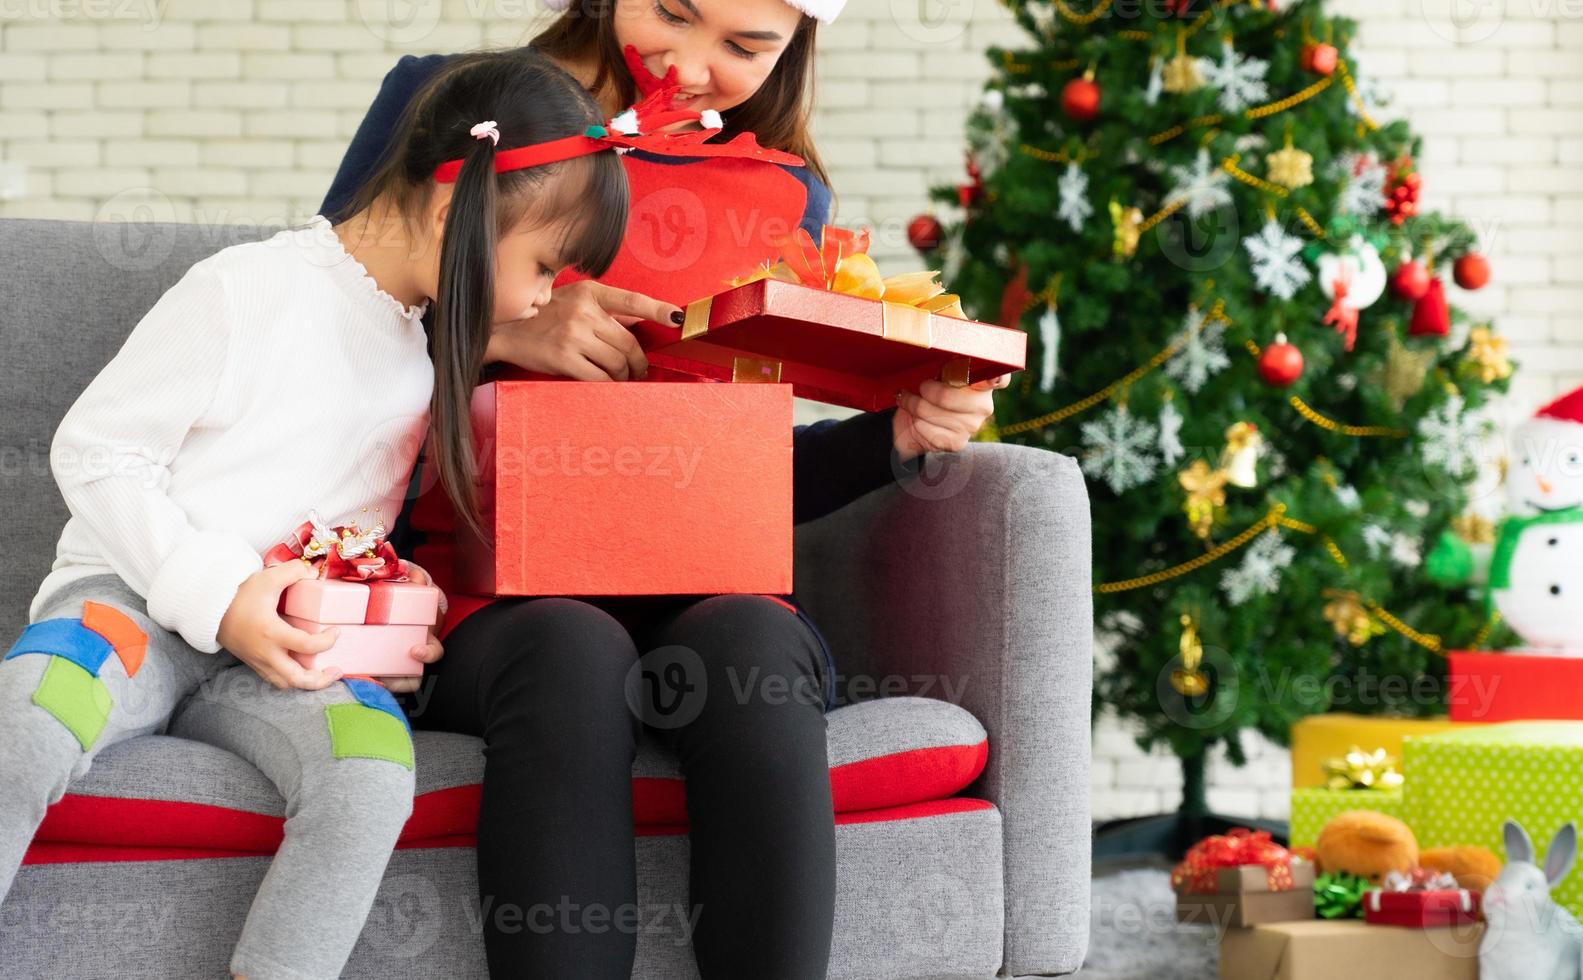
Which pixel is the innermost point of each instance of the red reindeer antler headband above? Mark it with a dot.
(627, 132)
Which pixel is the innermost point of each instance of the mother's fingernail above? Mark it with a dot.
(678, 318)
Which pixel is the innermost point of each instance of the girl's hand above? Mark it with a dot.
(581, 333)
(941, 418)
(428, 653)
(254, 632)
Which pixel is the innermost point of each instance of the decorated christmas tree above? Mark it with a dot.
(1238, 323)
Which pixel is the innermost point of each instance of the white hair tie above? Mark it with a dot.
(487, 129)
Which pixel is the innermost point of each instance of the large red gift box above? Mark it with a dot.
(631, 489)
(1421, 909)
(830, 346)
(379, 622)
(1488, 687)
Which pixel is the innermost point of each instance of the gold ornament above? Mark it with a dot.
(1240, 460)
(1181, 74)
(1129, 228)
(1351, 621)
(1291, 168)
(1206, 494)
(1362, 770)
(1487, 354)
(1187, 679)
(1474, 528)
(1406, 370)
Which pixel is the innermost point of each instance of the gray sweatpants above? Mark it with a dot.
(93, 670)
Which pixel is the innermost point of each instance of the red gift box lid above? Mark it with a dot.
(1420, 908)
(831, 347)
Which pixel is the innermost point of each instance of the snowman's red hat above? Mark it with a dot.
(1567, 408)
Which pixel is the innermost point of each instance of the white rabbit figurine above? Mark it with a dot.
(1527, 935)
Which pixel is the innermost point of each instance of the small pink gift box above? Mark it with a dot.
(380, 622)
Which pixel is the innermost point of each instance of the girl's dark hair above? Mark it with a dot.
(532, 101)
(779, 113)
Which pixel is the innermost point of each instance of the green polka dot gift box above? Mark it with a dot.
(1462, 786)
(1312, 808)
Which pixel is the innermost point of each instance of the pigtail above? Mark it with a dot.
(464, 318)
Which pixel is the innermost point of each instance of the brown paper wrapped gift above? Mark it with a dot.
(1243, 897)
(1322, 949)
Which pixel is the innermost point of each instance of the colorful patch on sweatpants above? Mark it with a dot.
(76, 698)
(125, 636)
(360, 732)
(372, 694)
(65, 638)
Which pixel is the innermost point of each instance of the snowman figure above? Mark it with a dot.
(1536, 571)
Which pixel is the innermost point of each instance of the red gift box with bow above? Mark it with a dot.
(362, 590)
(1242, 878)
(1421, 899)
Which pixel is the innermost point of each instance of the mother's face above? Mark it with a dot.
(723, 50)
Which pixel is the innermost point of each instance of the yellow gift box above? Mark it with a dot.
(1319, 738)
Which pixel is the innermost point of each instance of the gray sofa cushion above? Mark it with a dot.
(55, 340)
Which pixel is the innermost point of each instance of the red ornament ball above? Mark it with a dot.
(1080, 99)
(1411, 281)
(1281, 363)
(924, 233)
(1471, 271)
(1320, 58)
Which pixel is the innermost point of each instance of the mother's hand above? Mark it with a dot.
(941, 418)
(581, 333)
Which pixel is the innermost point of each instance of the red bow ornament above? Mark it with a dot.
(344, 551)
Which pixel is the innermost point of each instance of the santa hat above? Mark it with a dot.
(824, 11)
(1567, 408)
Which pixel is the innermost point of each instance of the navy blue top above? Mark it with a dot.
(834, 461)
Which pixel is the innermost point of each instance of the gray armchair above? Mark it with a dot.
(970, 584)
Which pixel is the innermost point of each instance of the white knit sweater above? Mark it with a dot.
(275, 377)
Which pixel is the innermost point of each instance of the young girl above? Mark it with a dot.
(276, 377)
(542, 680)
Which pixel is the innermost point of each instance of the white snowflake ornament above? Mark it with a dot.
(1450, 437)
(1074, 206)
(1260, 571)
(1200, 188)
(1120, 450)
(1200, 351)
(1239, 78)
(1278, 267)
(1363, 190)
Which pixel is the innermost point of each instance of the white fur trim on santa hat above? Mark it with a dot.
(824, 11)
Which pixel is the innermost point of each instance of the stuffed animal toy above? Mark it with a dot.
(1367, 844)
(1527, 936)
(1474, 868)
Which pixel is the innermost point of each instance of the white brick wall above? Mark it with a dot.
(237, 110)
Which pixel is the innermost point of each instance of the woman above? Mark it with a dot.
(544, 680)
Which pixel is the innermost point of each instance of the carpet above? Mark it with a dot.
(1134, 934)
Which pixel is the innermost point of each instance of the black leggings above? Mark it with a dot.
(734, 686)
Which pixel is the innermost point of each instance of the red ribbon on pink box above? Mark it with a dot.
(362, 590)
